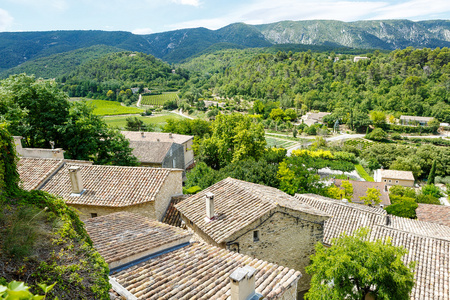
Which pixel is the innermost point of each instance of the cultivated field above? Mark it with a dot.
(279, 143)
(110, 108)
(159, 121)
(159, 100)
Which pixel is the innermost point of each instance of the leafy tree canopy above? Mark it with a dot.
(354, 267)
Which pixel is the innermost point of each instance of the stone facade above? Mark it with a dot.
(285, 237)
(188, 153)
(173, 186)
(57, 153)
(174, 157)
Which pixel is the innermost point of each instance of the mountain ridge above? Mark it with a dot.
(178, 45)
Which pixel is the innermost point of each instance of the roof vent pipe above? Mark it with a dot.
(242, 282)
(75, 179)
(209, 205)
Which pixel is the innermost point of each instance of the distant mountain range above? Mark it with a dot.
(175, 46)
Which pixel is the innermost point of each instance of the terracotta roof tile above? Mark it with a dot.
(150, 152)
(34, 171)
(154, 136)
(432, 257)
(396, 174)
(439, 214)
(360, 189)
(237, 204)
(172, 216)
(427, 243)
(113, 186)
(121, 235)
(201, 271)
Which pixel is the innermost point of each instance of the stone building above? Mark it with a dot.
(152, 260)
(360, 189)
(96, 190)
(57, 153)
(162, 150)
(394, 177)
(427, 243)
(256, 220)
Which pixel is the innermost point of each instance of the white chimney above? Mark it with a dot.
(18, 142)
(242, 282)
(209, 205)
(75, 179)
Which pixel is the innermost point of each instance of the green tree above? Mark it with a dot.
(135, 124)
(431, 189)
(234, 137)
(377, 134)
(378, 118)
(355, 267)
(432, 175)
(372, 196)
(277, 114)
(403, 207)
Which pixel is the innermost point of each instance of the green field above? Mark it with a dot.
(110, 108)
(159, 121)
(159, 99)
(271, 142)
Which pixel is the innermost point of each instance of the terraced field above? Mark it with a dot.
(159, 121)
(272, 142)
(159, 100)
(111, 108)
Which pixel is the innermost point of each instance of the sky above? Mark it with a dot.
(152, 16)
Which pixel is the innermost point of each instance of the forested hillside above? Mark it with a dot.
(179, 45)
(121, 71)
(59, 64)
(415, 82)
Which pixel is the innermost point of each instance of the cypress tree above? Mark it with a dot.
(432, 174)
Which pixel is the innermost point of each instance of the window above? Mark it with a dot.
(93, 215)
(396, 181)
(385, 180)
(390, 180)
(256, 236)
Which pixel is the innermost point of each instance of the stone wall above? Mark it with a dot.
(172, 186)
(286, 237)
(85, 211)
(290, 293)
(174, 158)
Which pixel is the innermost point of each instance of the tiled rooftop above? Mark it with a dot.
(172, 216)
(427, 243)
(113, 186)
(201, 271)
(432, 272)
(396, 174)
(34, 171)
(237, 204)
(154, 136)
(149, 151)
(122, 235)
(439, 214)
(360, 189)
(416, 118)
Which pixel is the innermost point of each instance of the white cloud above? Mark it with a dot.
(187, 2)
(269, 11)
(6, 20)
(142, 31)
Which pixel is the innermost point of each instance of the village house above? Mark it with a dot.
(152, 260)
(96, 190)
(394, 177)
(358, 58)
(414, 120)
(256, 220)
(360, 189)
(311, 118)
(427, 243)
(161, 150)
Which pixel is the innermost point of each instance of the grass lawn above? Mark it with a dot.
(271, 142)
(363, 173)
(159, 121)
(110, 108)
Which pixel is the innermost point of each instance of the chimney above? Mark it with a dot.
(242, 282)
(52, 144)
(209, 205)
(18, 142)
(75, 180)
(142, 135)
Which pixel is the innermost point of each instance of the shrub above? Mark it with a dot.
(427, 199)
(431, 189)
(192, 190)
(404, 207)
(377, 134)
